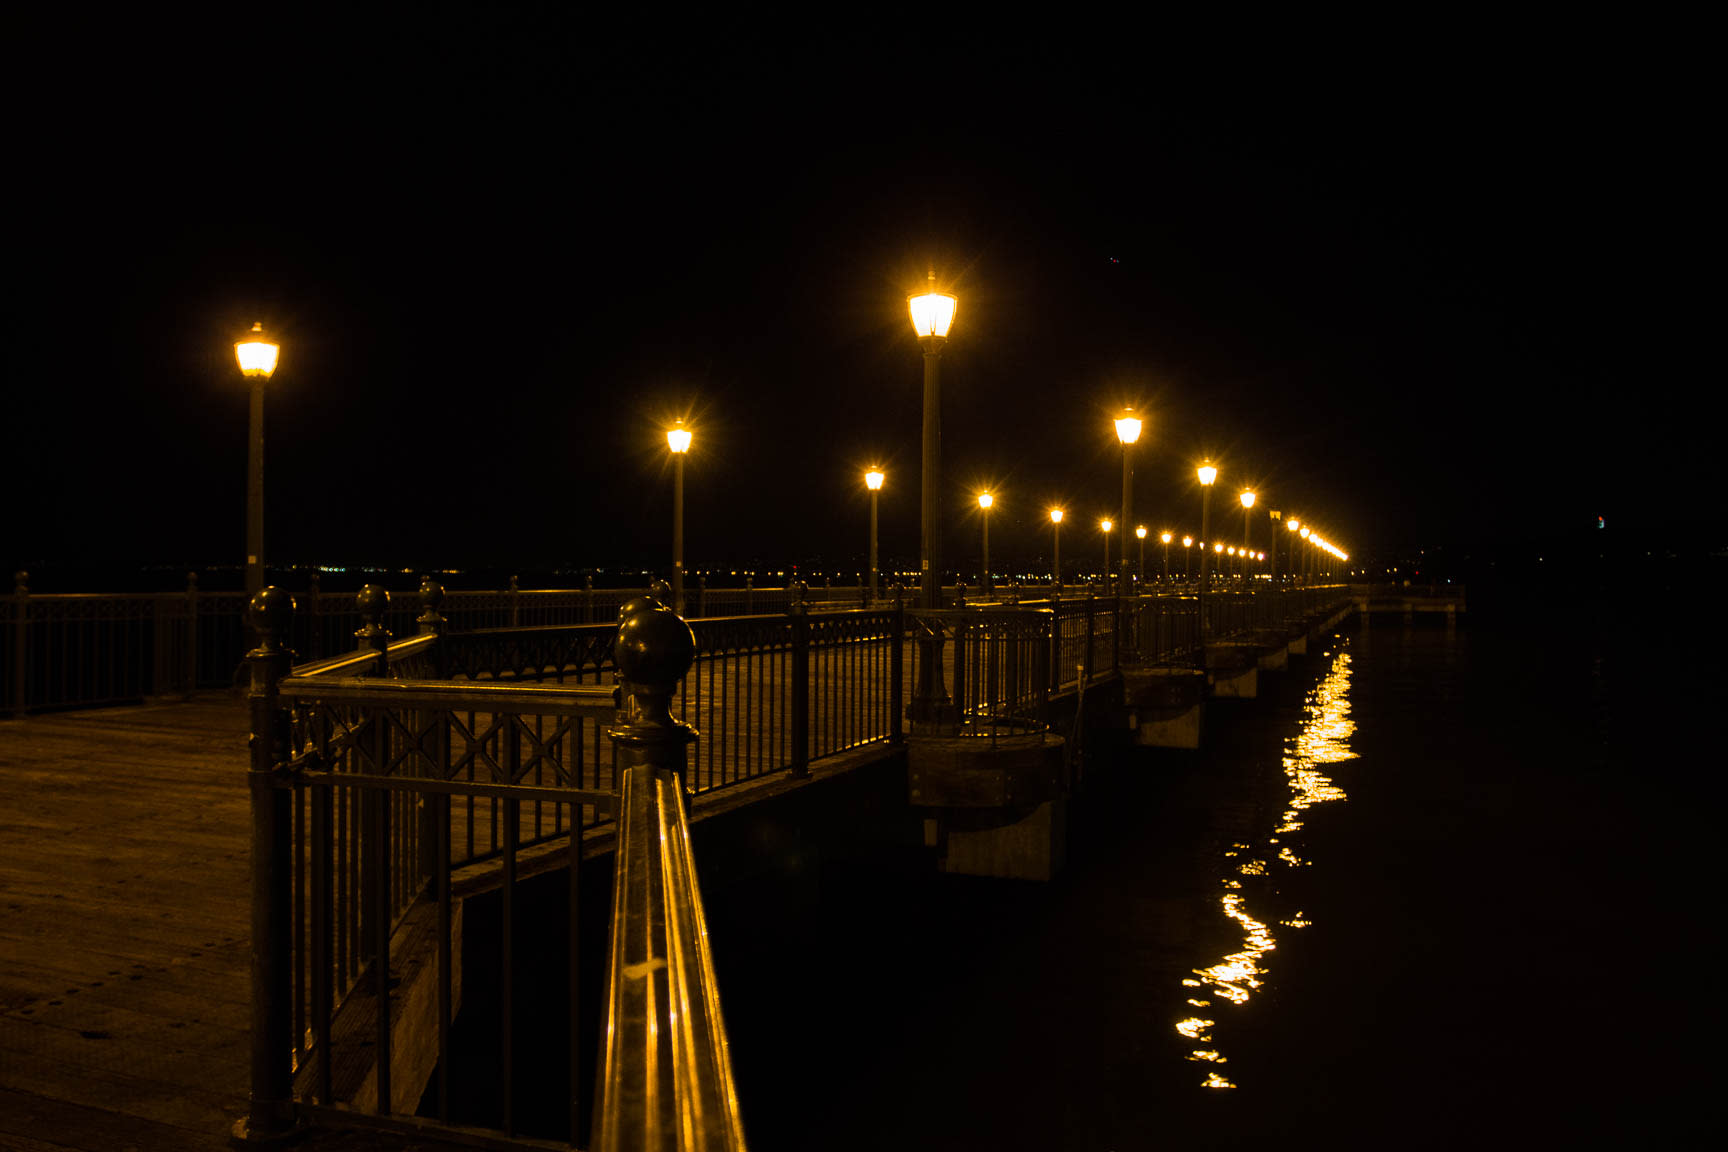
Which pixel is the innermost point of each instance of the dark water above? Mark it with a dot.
(1436, 888)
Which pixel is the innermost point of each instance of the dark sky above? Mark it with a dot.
(1423, 286)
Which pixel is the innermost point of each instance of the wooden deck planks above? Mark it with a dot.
(124, 1004)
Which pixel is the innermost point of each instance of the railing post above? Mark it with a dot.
(191, 672)
(897, 670)
(314, 629)
(20, 642)
(373, 602)
(749, 596)
(270, 1113)
(515, 593)
(432, 622)
(799, 611)
(653, 651)
(702, 595)
(1091, 640)
(588, 599)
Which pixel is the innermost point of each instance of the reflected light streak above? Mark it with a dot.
(1323, 739)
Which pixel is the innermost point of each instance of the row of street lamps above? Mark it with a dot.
(932, 317)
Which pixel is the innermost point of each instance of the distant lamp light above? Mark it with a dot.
(932, 313)
(1128, 426)
(1105, 525)
(1293, 524)
(873, 480)
(1306, 533)
(985, 499)
(1207, 473)
(1055, 515)
(1247, 499)
(1166, 537)
(1140, 531)
(1187, 541)
(256, 353)
(678, 438)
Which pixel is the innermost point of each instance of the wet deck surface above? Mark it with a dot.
(124, 999)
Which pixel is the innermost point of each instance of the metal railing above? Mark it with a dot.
(382, 802)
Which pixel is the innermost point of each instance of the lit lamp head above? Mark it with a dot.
(1187, 541)
(678, 438)
(1207, 473)
(985, 500)
(1305, 533)
(256, 353)
(1055, 515)
(1247, 499)
(873, 480)
(1127, 427)
(1140, 531)
(1165, 536)
(932, 313)
(1219, 548)
(1105, 525)
(1293, 524)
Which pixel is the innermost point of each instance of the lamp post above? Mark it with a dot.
(1105, 526)
(1208, 474)
(1140, 571)
(1056, 554)
(1307, 554)
(1187, 557)
(932, 316)
(678, 440)
(984, 502)
(1247, 506)
(257, 355)
(1165, 536)
(873, 481)
(1127, 431)
(1293, 524)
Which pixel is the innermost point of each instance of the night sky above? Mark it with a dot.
(1423, 286)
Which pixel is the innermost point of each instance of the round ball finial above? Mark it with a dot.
(654, 647)
(431, 594)
(269, 614)
(372, 601)
(637, 605)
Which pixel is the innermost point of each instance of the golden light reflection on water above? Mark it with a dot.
(1323, 739)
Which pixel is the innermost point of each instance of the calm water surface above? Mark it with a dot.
(1436, 887)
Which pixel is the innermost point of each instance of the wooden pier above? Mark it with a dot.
(124, 939)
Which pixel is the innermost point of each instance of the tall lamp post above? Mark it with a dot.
(1140, 571)
(1207, 474)
(873, 481)
(1165, 536)
(1247, 507)
(1127, 431)
(1105, 526)
(257, 355)
(1293, 524)
(1307, 554)
(1056, 553)
(1187, 557)
(932, 316)
(678, 439)
(984, 502)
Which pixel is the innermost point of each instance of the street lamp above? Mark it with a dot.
(1307, 554)
(257, 355)
(873, 481)
(1127, 431)
(1105, 526)
(932, 316)
(1247, 504)
(1165, 536)
(1056, 554)
(1207, 474)
(1140, 531)
(678, 440)
(984, 502)
(1187, 556)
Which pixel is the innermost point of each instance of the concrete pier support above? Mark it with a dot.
(1233, 670)
(1166, 707)
(992, 807)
